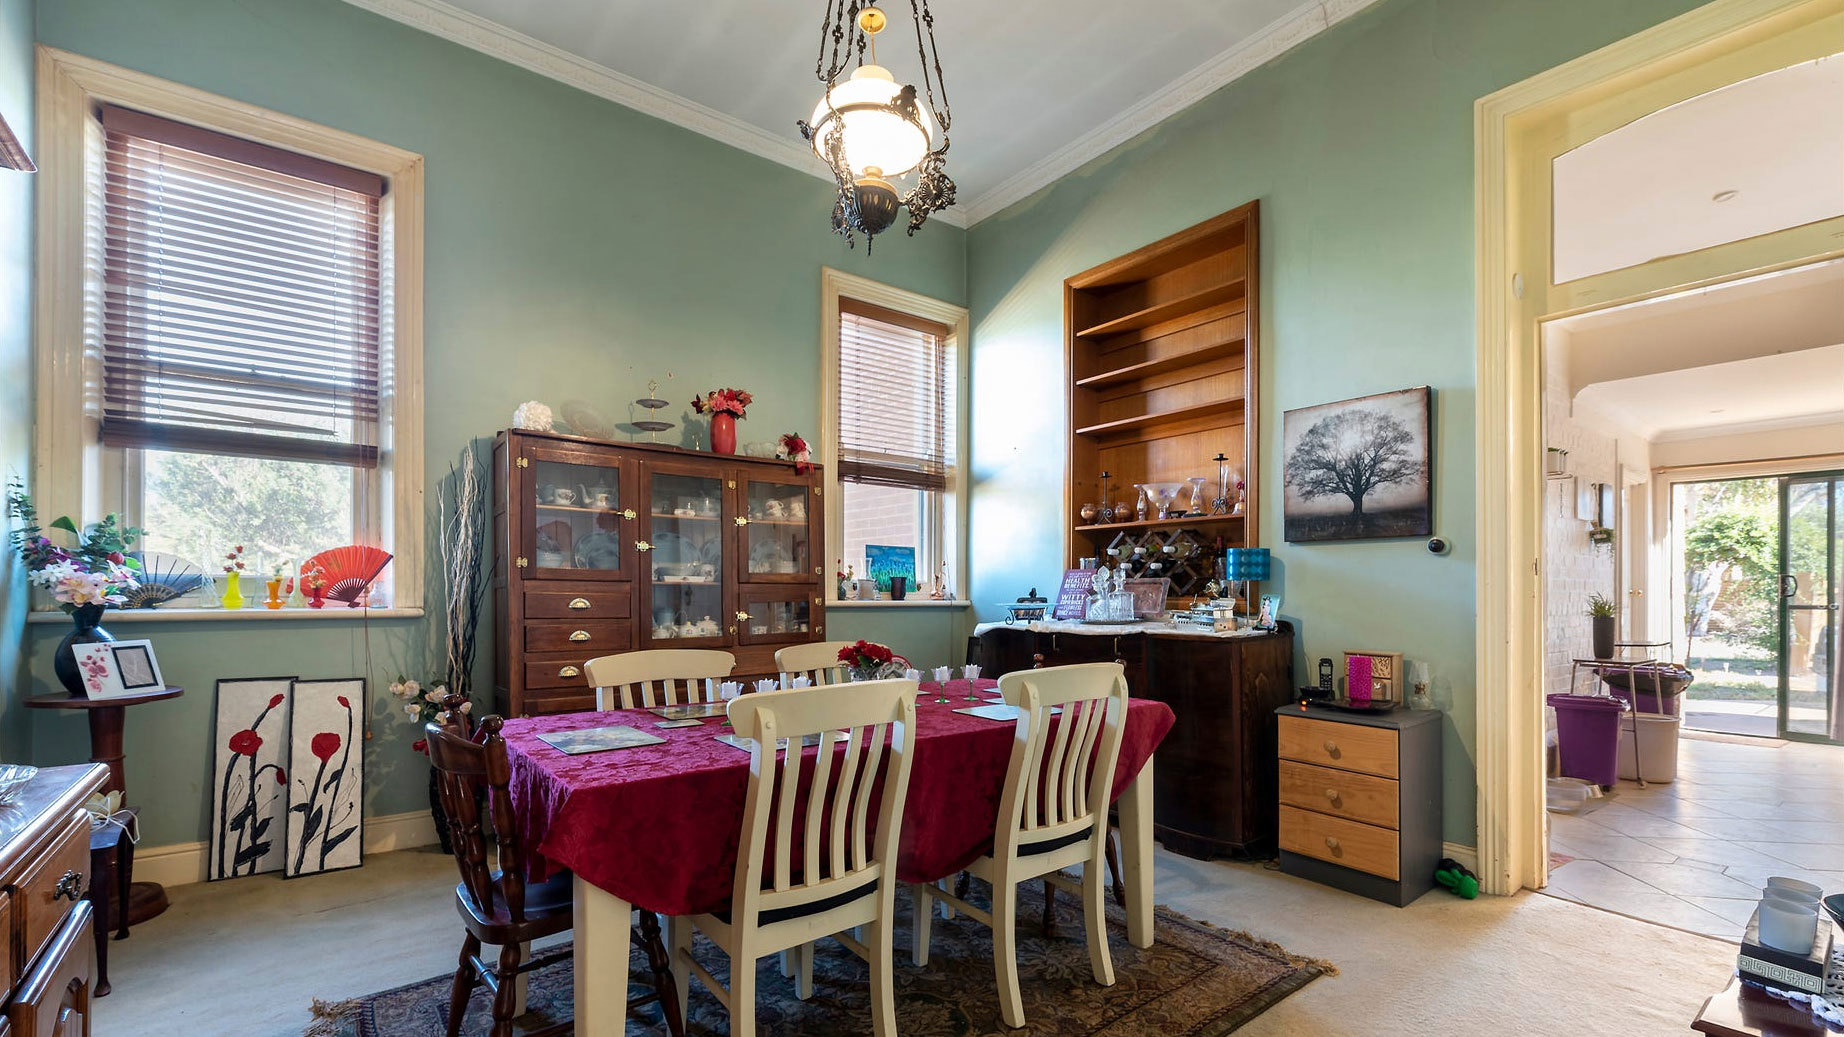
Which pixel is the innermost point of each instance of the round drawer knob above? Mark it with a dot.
(1332, 795)
(1332, 845)
(1331, 747)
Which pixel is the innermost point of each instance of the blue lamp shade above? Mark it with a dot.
(1246, 563)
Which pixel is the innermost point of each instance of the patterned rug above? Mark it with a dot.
(1196, 981)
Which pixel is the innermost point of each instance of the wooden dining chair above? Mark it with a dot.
(658, 677)
(818, 662)
(1053, 813)
(497, 905)
(835, 872)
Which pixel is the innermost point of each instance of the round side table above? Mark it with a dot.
(145, 899)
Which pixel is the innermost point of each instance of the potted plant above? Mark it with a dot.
(1600, 613)
(1601, 536)
(725, 406)
(84, 579)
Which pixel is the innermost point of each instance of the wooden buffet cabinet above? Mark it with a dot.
(50, 951)
(1214, 789)
(603, 547)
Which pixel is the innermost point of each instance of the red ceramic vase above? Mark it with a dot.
(723, 433)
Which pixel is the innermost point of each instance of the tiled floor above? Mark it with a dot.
(1692, 854)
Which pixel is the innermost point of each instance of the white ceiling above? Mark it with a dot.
(1649, 189)
(1037, 86)
(1783, 390)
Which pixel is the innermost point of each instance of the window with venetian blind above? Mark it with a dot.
(895, 447)
(241, 323)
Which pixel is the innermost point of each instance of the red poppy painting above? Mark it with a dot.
(250, 790)
(326, 786)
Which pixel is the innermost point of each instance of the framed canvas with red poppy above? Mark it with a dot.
(326, 777)
(249, 777)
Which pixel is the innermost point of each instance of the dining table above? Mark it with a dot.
(656, 826)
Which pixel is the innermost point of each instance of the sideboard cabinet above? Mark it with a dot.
(605, 547)
(1215, 784)
(50, 949)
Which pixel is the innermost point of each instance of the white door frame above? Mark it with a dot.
(1518, 130)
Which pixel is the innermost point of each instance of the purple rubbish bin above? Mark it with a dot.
(1588, 736)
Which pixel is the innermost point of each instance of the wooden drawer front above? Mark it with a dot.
(589, 601)
(54, 999)
(1349, 747)
(593, 638)
(9, 969)
(37, 904)
(1353, 844)
(557, 671)
(1361, 797)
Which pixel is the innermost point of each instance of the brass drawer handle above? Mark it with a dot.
(579, 635)
(70, 887)
(570, 671)
(1332, 845)
(579, 603)
(1332, 795)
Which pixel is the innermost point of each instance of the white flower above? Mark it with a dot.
(397, 688)
(412, 710)
(467, 707)
(532, 415)
(411, 687)
(434, 695)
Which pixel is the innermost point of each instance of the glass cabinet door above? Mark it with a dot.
(684, 558)
(779, 521)
(580, 522)
(776, 616)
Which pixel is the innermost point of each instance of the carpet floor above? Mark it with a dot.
(1196, 981)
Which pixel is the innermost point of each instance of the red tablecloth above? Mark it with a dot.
(658, 825)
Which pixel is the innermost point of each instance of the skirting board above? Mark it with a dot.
(183, 863)
(1468, 856)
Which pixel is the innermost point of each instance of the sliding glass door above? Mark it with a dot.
(1811, 553)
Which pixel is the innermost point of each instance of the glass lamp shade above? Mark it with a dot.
(878, 142)
(1246, 563)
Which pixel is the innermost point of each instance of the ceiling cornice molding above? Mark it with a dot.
(1284, 34)
(1742, 428)
(491, 38)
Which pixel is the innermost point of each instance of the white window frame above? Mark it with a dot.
(72, 473)
(946, 534)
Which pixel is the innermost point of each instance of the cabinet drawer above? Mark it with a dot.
(54, 998)
(9, 969)
(1361, 797)
(586, 601)
(48, 890)
(557, 671)
(1350, 747)
(588, 637)
(1353, 844)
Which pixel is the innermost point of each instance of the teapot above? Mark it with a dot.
(601, 496)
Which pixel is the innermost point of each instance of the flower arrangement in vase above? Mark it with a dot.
(793, 448)
(233, 575)
(848, 582)
(274, 586)
(725, 406)
(869, 661)
(84, 579)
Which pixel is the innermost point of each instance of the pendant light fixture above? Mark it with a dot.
(884, 144)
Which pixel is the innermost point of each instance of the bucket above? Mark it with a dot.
(1658, 747)
(1587, 737)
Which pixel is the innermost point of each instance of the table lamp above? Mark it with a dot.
(1243, 565)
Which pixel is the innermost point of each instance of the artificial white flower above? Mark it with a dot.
(397, 688)
(412, 687)
(412, 710)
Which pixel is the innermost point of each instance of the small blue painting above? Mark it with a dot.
(885, 561)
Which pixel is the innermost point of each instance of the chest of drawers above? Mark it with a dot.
(1360, 799)
(50, 954)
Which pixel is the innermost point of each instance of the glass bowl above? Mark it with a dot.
(1162, 495)
(13, 778)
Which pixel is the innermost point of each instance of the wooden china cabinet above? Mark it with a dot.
(605, 547)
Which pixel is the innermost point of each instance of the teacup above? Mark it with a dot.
(564, 495)
(777, 509)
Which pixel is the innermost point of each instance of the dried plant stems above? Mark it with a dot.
(463, 542)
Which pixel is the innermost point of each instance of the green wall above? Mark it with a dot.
(15, 350)
(576, 248)
(1359, 146)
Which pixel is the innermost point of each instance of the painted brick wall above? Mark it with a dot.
(1573, 569)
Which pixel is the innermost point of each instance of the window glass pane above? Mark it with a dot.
(893, 515)
(200, 506)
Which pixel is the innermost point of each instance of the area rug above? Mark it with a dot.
(1195, 981)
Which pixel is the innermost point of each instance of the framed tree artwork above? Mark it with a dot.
(1359, 469)
(249, 777)
(326, 776)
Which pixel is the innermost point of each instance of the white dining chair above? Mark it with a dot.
(1053, 814)
(836, 873)
(659, 677)
(818, 662)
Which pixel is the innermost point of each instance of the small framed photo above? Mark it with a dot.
(1270, 613)
(112, 669)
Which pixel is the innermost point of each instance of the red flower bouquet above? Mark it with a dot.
(724, 401)
(793, 448)
(869, 661)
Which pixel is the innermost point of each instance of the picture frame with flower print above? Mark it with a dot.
(115, 669)
(326, 777)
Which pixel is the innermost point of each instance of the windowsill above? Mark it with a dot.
(179, 615)
(906, 603)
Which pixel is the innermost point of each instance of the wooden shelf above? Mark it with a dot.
(582, 509)
(1196, 410)
(1188, 520)
(1166, 310)
(1147, 369)
(657, 584)
(683, 518)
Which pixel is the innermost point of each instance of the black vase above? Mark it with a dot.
(87, 631)
(899, 586)
(1603, 636)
